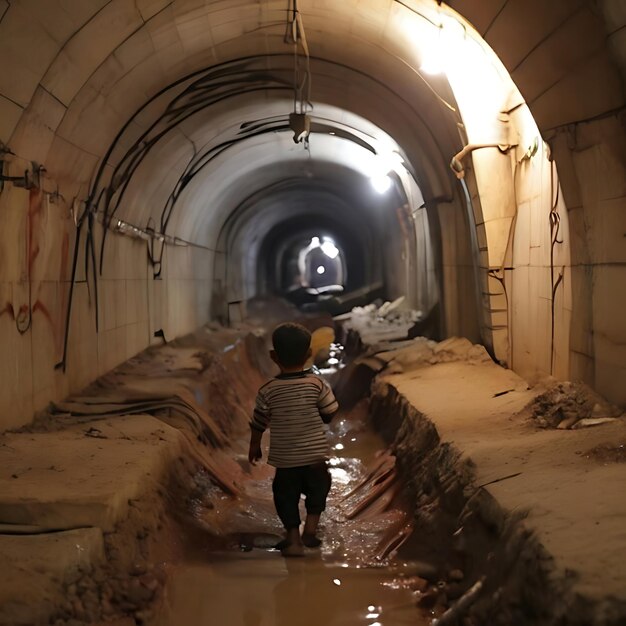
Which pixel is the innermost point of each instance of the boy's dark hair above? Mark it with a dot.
(291, 343)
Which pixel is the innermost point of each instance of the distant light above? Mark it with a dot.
(337, 582)
(381, 183)
(339, 446)
(333, 361)
(371, 608)
(321, 269)
(330, 249)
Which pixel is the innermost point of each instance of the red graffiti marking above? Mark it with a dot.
(40, 306)
(8, 309)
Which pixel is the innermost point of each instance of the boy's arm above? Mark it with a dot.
(254, 451)
(259, 422)
(327, 403)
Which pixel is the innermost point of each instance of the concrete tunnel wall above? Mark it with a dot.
(77, 72)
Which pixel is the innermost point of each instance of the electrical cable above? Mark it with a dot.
(200, 94)
(555, 226)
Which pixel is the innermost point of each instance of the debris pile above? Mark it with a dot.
(380, 321)
(567, 405)
(119, 459)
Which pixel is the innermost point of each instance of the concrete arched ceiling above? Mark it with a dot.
(88, 69)
(89, 79)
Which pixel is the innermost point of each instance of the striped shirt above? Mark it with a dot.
(294, 407)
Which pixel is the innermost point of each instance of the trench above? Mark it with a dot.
(231, 573)
(408, 535)
(351, 579)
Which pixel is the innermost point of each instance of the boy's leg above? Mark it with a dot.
(316, 488)
(287, 487)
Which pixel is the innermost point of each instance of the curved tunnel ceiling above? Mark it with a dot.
(100, 67)
(92, 85)
(96, 63)
(335, 195)
(141, 49)
(226, 140)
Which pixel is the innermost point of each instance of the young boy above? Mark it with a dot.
(294, 406)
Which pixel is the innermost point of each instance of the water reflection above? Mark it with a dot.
(343, 583)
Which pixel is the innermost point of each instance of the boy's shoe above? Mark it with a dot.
(293, 549)
(311, 541)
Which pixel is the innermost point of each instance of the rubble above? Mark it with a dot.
(380, 321)
(570, 406)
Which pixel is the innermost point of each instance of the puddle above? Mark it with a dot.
(263, 589)
(345, 583)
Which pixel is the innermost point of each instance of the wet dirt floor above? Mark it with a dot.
(349, 581)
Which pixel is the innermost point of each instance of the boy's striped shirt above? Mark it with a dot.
(294, 407)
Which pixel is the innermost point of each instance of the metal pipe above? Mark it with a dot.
(456, 163)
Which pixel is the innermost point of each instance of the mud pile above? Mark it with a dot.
(201, 390)
(568, 405)
(486, 565)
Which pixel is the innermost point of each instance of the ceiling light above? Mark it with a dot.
(381, 183)
(321, 269)
(442, 45)
(330, 249)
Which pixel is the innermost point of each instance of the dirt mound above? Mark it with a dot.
(567, 405)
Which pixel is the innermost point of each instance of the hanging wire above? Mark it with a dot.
(555, 227)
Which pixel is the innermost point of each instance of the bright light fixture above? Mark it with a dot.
(330, 249)
(381, 183)
(321, 269)
(315, 241)
(442, 45)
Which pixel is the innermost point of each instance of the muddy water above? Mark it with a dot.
(241, 581)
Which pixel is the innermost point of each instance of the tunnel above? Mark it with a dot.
(436, 190)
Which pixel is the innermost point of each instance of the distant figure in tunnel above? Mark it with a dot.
(294, 406)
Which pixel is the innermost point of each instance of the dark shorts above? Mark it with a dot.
(312, 481)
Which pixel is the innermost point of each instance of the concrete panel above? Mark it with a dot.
(10, 114)
(29, 62)
(149, 8)
(14, 209)
(89, 47)
(606, 228)
(34, 134)
(515, 35)
(481, 14)
(16, 368)
(594, 88)
(47, 336)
